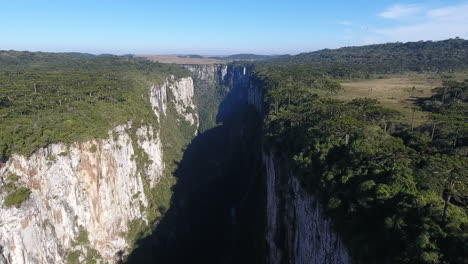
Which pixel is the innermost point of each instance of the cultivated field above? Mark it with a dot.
(179, 60)
(399, 92)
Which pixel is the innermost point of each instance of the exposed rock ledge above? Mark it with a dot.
(88, 189)
(182, 91)
(91, 186)
(297, 229)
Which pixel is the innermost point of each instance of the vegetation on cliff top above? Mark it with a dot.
(395, 191)
(359, 62)
(51, 97)
(400, 192)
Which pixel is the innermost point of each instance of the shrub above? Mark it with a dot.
(82, 238)
(17, 197)
(73, 257)
(13, 177)
(93, 256)
(93, 148)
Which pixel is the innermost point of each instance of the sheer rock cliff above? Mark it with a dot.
(84, 195)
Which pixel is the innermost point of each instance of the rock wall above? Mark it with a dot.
(84, 195)
(182, 91)
(297, 230)
(209, 73)
(235, 78)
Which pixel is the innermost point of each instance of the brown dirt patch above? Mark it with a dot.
(179, 60)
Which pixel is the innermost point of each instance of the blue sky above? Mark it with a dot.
(212, 27)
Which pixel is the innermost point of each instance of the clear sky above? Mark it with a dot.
(217, 27)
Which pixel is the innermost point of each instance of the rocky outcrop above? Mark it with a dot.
(297, 230)
(92, 188)
(83, 196)
(236, 79)
(208, 73)
(158, 99)
(182, 91)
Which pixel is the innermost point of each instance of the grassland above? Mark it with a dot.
(399, 92)
(179, 60)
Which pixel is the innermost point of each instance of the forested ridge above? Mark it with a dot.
(397, 193)
(358, 62)
(68, 97)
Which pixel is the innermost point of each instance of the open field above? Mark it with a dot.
(179, 60)
(398, 92)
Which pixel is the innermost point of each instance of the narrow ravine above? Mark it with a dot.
(216, 213)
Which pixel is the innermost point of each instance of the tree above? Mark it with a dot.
(450, 177)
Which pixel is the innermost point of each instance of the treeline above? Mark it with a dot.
(396, 193)
(52, 97)
(449, 115)
(361, 62)
(20, 61)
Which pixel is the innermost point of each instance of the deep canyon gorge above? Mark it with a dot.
(352, 155)
(234, 201)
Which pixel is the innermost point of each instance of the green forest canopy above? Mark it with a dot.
(396, 193)
(51, 97)
(359, 62)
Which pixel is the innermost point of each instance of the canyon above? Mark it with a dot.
(247, 206)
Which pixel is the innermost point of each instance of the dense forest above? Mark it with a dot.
(361, 62)
(396, 193)
(71, 97)
(51, 97)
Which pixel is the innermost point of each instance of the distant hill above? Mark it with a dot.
(446, 55)
(12, 61)
(78, 54)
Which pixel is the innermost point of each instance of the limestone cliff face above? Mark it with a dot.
(84, 195)
(91, 187)
(297, 230)
(236, 78)
(182, 91)
(208, 73)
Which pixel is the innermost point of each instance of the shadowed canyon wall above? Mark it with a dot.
(233, 202)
